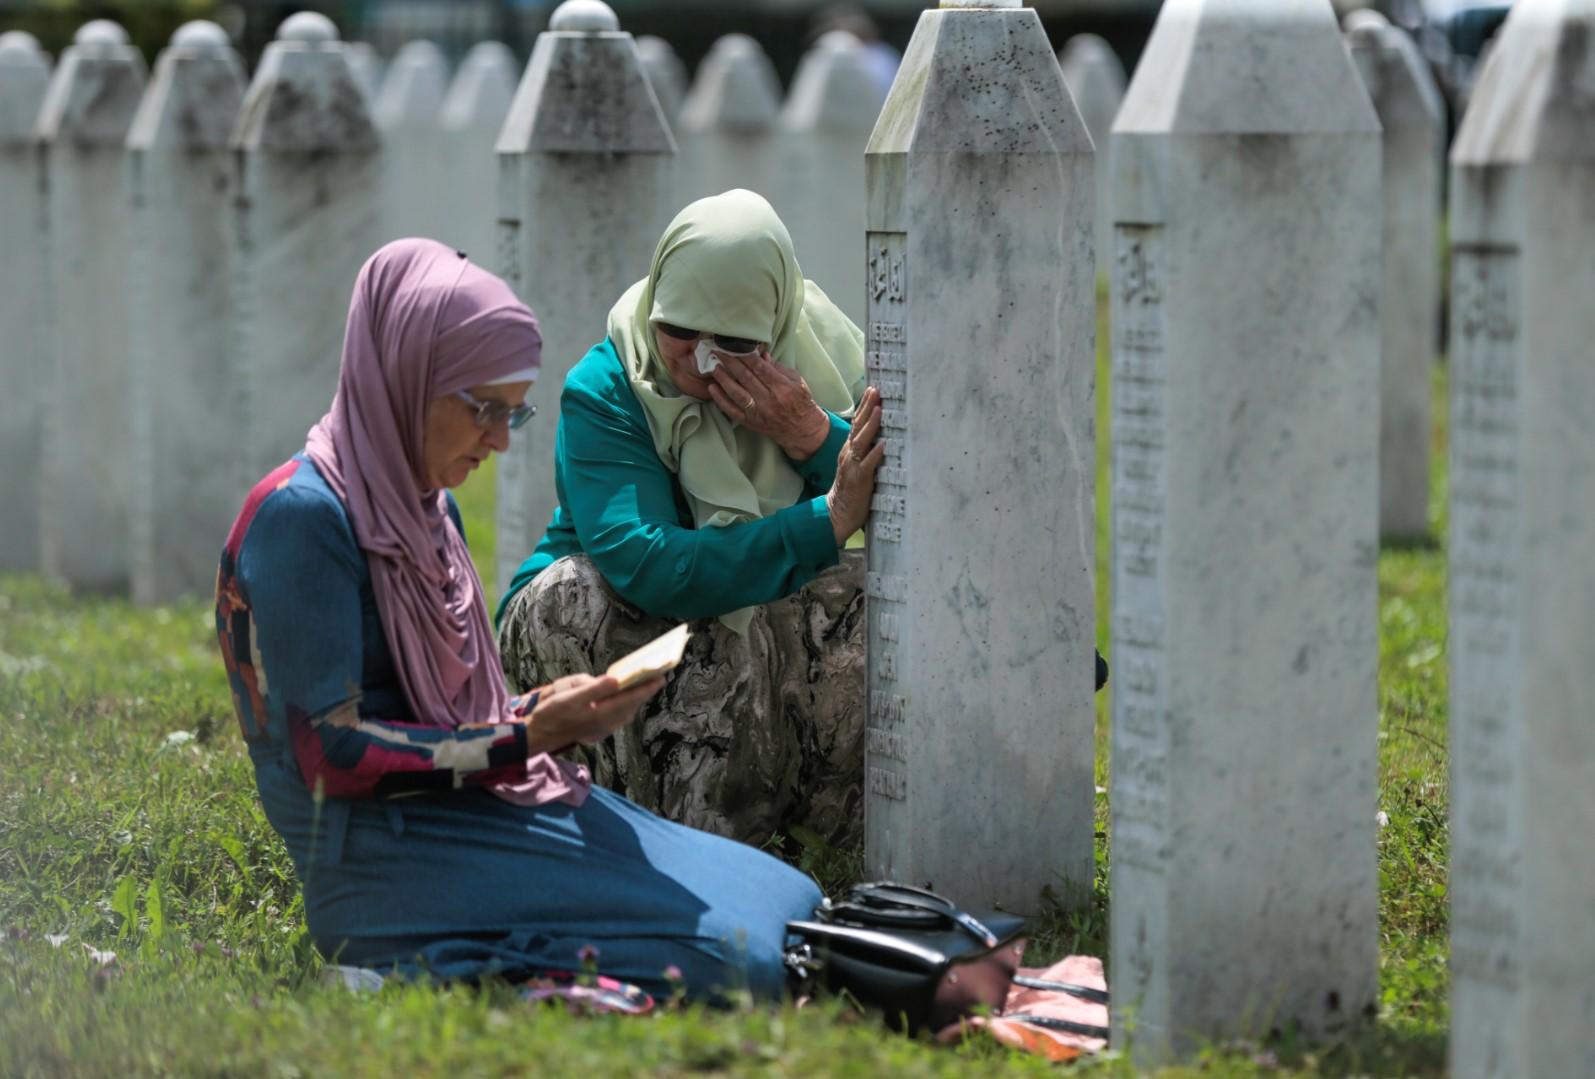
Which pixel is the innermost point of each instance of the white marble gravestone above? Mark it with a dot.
(728, 128)
(24, 77)
(585, 181)
(981, 291)
(833, 106)
(86, 471)
(1413, 116)
(472, 115)
(306, 221)
(1522, 583)
(1245, 531)
(1095, 77)
(416, 170)
(182, 402)
(666, 74)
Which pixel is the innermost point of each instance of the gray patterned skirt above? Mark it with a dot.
(753, 734)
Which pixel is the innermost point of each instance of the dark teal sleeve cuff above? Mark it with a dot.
(809, 535)
(819, 471)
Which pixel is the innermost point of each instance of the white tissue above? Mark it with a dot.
(707, 360)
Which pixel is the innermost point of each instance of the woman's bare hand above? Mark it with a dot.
(770, 400)
(860, 459)
(583, 709)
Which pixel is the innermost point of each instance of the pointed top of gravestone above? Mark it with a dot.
(100, 32)
(419, 53)
(585, 93)
(201, 34)
(838, 41)
(1535, 100)
(1095, 77)
(482, 90)
(1245, 67)
(14, 42)
(666, 73)
(308, 27)
(95, 91)
(835, 88)
(193, 99)
(1394, 71)
(980, 5)
(489, 54)
(735, 44)
(304, 97)
(583, 17)
(986, 86)
(736, 89)
(412, 92)
(24, 78)
(1363, 18)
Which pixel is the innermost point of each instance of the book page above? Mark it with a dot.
(656, 657)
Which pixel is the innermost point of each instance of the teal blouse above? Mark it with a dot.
(624, 509)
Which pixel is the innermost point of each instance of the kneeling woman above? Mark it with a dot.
(706, 469)
(433, 826)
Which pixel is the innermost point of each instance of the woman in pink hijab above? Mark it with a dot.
(434, 826)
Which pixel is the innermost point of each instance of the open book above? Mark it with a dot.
(656, 657)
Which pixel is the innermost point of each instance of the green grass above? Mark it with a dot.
(129, 823)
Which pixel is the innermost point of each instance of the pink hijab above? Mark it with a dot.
(424, 323)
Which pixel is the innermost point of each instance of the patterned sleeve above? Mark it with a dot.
(290, 620)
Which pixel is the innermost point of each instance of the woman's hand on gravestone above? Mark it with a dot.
(772, 401)
(860, 459)
(582, 709)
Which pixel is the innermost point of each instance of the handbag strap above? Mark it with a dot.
(1068, 1026)
(905, 906)
(1083, 992)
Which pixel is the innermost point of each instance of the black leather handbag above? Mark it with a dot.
(910, 953)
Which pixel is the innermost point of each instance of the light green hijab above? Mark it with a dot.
(725, 265)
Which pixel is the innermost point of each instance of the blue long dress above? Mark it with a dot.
(408, 864)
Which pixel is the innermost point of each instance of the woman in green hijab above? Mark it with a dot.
(714, 453)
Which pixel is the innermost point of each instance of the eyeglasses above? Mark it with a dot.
(492, 413)
(731, 346)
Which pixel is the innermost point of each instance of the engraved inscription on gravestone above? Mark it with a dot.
(1141, 741)
(1484, 918)
(887, 756)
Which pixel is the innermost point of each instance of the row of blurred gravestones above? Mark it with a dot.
(118, 167)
